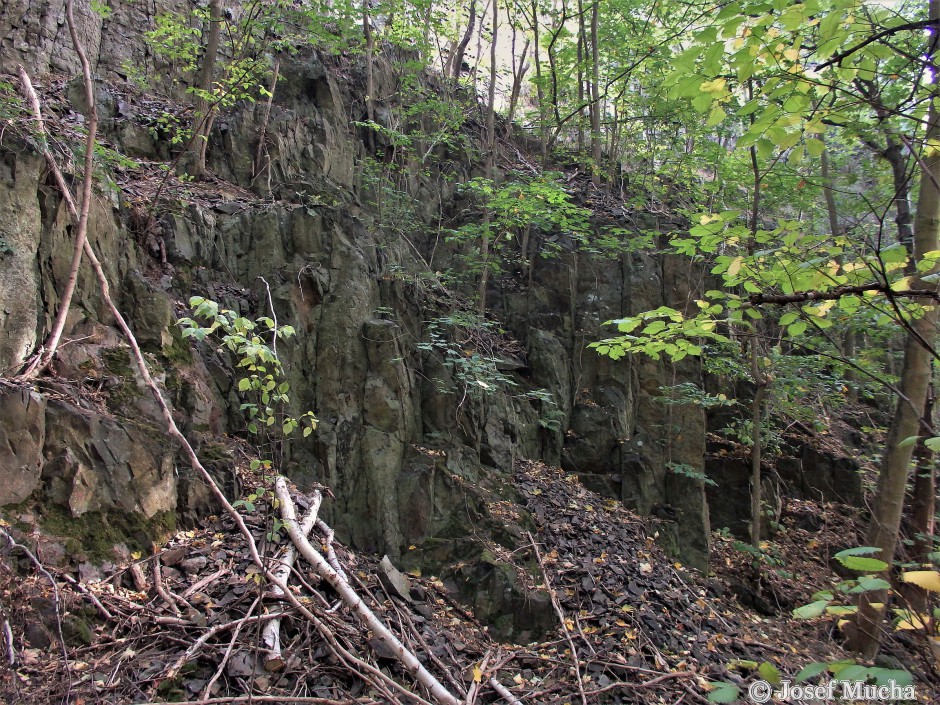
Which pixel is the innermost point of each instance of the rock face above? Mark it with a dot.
(411, 443)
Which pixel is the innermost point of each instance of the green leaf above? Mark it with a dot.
(862, 564)
(868, 583)
(933, 443)
(769, 673)
(811, 670)
(812, 610)
(723, 693)
(716, 115)
(814, 146)
(796, 329)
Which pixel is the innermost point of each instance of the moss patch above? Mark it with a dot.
(117, 361)
(91, 536)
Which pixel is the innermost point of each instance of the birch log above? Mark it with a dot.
(353, 601)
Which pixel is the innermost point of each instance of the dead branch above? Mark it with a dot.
(503, 692)
(102, 610)
(352, 599)
(209, 633)
(41, 359)
(56, 601)
(271, 635)
(328, 548)
(561, 618)
(161, 590)
(228, 651)
(8, 641)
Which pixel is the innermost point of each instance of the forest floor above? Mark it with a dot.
(632, 625)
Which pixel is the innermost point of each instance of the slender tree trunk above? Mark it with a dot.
(490, 159)
(582, 52)
(456, 59)
(848, 338)
(757, 408)
(539, 89)
(915, 380)
(202, 115)
(920, 523)
(41, 359)
(517, 77)
(595, 97)
(370, 75)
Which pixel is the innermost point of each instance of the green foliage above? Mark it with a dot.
(846, 671)
(263, 379)
(690, 393)
(856, 559)
(686, 470)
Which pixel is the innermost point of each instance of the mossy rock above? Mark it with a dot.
(93, 535)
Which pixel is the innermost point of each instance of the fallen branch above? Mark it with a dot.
(228, 651)
(56, 603)
(209, 633)
(271, 634)
(352, 599)
(328, 548)
(161, 590)
(503, 692)
(561, 618)
(90, 595)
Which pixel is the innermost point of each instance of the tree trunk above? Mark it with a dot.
(490, 160)
(595, 97)
(370, 76)
(915, 380)
(456, 59)
(203, 113)
(757, 408)
(919, 525)
(539, 89)
(848, 338)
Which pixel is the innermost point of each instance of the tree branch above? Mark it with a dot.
(839, 292)
(874, 38)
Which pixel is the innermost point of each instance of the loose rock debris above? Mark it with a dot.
(191, 623)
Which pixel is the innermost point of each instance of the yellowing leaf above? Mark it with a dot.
(735, 265)
(927, 579)
(477, 674)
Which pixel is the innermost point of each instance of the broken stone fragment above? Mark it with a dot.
(394, 580)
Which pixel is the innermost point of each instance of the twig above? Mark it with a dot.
(561, 618)
(8, 640)
(474, 689)
(195, 587)
(161, 590)
(503, 692)
(273, 317)
(90, 595)
(201, 641)
(647, 684)
(328, 548)
(56, 603)
(228, 651)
